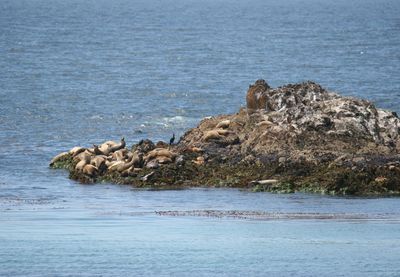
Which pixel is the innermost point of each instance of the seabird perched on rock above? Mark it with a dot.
(171, 141)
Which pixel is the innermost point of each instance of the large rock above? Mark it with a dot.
(305, 119)
(302, 136)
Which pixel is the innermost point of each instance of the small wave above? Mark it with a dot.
(175, 119)
(96, 117)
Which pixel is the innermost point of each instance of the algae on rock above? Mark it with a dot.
(305, 137)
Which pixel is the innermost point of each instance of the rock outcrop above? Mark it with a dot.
(293, 138)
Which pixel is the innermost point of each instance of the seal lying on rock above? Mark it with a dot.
(213, 134)
(81, 164)
(90, 170)
(301, 136)
(223, 124)
(109, 147)
(59, 157)
(76, 150)
(159, 152)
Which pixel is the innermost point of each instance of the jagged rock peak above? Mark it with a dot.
(308, 107)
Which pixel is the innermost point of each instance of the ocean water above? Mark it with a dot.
(79, 72)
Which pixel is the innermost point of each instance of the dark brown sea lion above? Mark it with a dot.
(256, 98)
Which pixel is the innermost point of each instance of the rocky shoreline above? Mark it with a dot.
(297, 137)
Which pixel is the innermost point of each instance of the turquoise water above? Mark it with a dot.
(80, 72)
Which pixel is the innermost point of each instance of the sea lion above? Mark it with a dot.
(137, 159)
(255, 97)
(118, 146)
(80, 165)
(213, 134)
(76, 150)
(193, 149)
(86, 155)
(110, 143)
(159, 152)
(95, 150)
(196, 149)
(98, 161)
(112, 166)
(120, 166)
(119, 155)
(124, 166)
(129, 172)
(59, 157)
(109, 163)
(199, 160)
(223, 124)
(264, 123)
(90, 170)
(105, 149)
(111, 146)
(223, 132)
(128, 156)
(163, 160)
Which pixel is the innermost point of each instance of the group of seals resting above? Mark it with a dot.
(111, 157)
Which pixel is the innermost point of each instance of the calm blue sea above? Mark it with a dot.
(79, 72)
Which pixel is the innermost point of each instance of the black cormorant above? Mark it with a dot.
(171, 141)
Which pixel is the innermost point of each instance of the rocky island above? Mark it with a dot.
(298, 137)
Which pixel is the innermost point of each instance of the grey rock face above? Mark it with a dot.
(308, 107)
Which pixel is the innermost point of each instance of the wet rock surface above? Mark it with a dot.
(297, 137)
